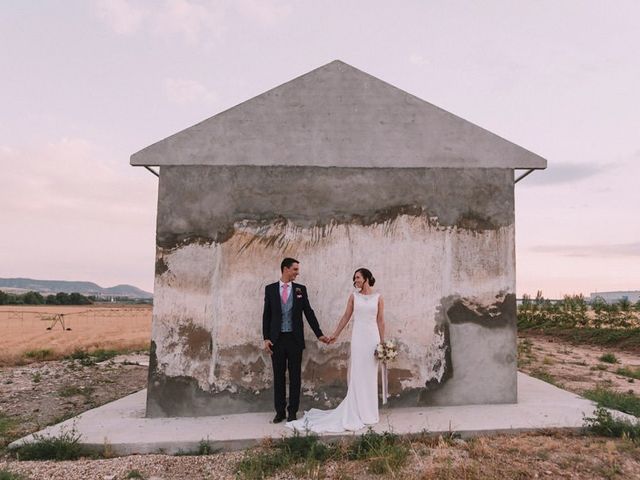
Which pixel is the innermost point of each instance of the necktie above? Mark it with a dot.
(285, 294)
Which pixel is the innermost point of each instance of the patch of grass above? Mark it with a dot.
(603, 423)
(7, 475)
(608, 358)
(88, 359)
(72, 391)
(386, 452)
(101, 354)
(545, 376)
(629, 372)
(134, 474)
(548, 361)
(304, 455)
(7, 432)
(525, 356)
(39, 354)
(204, 448)
(36, 377)
(625, 402)
(64, 446)
(255, 466)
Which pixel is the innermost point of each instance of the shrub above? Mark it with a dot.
(64, 446)
(603, 423)
(608, 358)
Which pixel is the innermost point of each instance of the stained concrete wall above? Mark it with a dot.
(439, 240)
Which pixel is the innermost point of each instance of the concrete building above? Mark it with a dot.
(339, 170)
(613, 297)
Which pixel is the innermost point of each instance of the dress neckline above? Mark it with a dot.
(367, 295)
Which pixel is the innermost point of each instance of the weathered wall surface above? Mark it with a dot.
(440, 242)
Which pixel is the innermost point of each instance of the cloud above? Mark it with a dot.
(557, 173)
(184, 92)
(121, 15)
(417, 59)
(601, 250)
(193, 20)
(266, 12)
(70, 179)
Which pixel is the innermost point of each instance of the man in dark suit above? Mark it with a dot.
(283, 334)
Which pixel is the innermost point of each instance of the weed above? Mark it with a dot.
(385, 451)
(64, 446)
(603, 423)
(72, 391)
(625, 402)
(261, 465)
(629, 372)
(548, 361)
(545, 376)
(305, 447)
(204, 448)
(36, 377)
(134, 474)
(7, 475)
(6, 429)
(101, 355)
(608, 358)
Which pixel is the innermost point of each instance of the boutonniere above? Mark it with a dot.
(298, 292)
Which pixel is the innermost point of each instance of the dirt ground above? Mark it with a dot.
(87, 327)
(42, 393)
(577, 367)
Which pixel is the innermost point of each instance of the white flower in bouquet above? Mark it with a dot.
(386, 351)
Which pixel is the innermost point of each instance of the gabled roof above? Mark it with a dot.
(337, 116)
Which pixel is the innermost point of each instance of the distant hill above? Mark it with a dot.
(47, 287)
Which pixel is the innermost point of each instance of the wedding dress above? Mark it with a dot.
(360, 406)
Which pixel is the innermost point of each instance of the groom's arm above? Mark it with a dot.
(266, 317)
(310, 315)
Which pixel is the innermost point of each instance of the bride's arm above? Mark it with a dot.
(380, 318)
(345, 318)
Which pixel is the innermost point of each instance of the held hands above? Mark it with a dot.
(327, 340)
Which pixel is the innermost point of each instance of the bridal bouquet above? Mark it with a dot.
(385, 352)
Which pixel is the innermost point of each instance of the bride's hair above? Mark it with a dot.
(366, 274)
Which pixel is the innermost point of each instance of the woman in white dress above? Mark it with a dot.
(360, 406)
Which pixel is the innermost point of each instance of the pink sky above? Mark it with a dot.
(87, 83)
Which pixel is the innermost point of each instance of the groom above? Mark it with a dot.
(282, 331)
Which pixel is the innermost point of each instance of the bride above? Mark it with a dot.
(360, 406)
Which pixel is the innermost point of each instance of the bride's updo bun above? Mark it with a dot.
(366, 274)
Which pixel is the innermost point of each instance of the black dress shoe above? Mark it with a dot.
(278, 418)
(292, 417)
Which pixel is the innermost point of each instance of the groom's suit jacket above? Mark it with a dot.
(272, 313)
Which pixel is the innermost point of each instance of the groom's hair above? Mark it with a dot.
(287, 262)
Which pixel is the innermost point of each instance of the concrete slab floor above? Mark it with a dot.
(121, 426)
